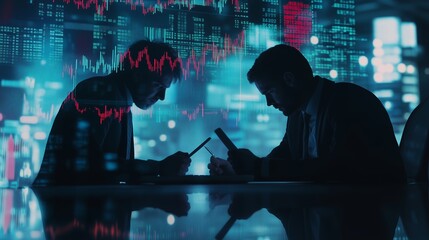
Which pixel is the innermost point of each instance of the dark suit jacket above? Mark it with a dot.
(355, 140)
(91, 135)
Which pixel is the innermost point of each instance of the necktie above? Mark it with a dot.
(305, 134)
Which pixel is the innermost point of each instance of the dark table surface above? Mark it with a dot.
(270, 210)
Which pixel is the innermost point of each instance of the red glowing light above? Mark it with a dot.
(98, 230)
(7, 209)
(10, 159)
(297, 23)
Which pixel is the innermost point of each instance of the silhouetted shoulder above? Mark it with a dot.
(100, 91)
(347, 88)
(348, 102)
(356, 96)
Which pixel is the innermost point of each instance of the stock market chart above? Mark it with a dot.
(48, 46)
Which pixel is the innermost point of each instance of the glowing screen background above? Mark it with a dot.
(47, 47)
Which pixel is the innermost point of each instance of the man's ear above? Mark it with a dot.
(289, 79)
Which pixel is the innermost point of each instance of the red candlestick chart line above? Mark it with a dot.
(101, 6)
(192, 63)
(99, 230)
(12, 147)
(118, 112)
(103, 112)
(201, 111)
(193, 114)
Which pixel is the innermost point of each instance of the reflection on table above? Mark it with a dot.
(239, 211)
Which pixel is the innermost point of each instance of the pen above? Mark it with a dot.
(199, 147)
(209, 151)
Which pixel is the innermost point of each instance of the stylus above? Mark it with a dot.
(200, 146)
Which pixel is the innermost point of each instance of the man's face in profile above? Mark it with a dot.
(280, 94)
(146, 92)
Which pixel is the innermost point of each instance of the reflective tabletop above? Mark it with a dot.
(275, 210)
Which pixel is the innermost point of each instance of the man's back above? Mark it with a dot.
(355, 138)
(93, 120)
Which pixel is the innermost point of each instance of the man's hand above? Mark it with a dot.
(220, 167)
(175, 165)
(243, 161)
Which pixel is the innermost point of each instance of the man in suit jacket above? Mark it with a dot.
(91, 140)
(335, 132)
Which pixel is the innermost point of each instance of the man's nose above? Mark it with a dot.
(269, 100)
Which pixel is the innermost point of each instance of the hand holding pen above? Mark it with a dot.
(209, 151)
(219, 166)
(179, 162)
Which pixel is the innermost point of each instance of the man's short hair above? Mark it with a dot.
(273, 62)
(151, 57)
